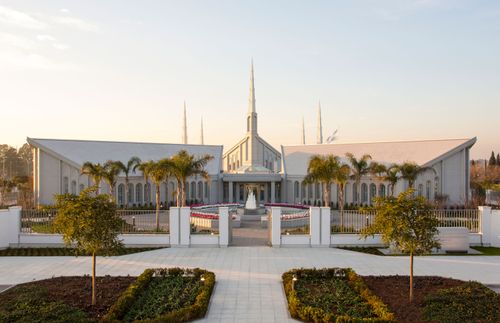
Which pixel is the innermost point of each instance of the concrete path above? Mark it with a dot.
(248, 285)
(4, 287)
(250, 234)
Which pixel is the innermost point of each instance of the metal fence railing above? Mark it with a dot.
(204, 222)
(354, 221)
(133, 221)
(295, 221)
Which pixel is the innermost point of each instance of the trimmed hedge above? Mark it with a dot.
(299, 310)
(191, 312)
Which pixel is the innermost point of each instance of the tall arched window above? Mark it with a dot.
(81, 188)
(73, 187)
(200, 190)
(317, 191)
(193, 190)
(381, 190)
(420, 189)
(186, 190)
(121, 194)
(130, 193)
(147, 193)
(309, 191)
(172, 191)
(138, 193)
(206, 190)
(303, 190)
(65, 185)
(354, 193)
(364, 193)
(296, 190)
(428, 190)
(373, 192)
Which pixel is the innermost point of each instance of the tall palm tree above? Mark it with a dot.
(145, 168)
(95, 172)
(359, 168)
(410, 171)
(158, 172)
(341, 177)
(132, 164)
(184, 166)
(322, 169)
(111, 172)
(391, 176)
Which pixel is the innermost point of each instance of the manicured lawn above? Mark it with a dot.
(368, 250)
(36, 252)
(488, 251)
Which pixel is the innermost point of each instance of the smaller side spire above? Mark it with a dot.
(202, 141)
(319, 130)
(303, 132)
(184, 127)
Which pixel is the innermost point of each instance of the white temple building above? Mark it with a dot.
(252, 164)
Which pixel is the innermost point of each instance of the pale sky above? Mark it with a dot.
(120, 70)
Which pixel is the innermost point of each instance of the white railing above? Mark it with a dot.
(467, 218)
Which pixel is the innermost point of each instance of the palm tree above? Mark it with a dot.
(391, 176)
(322, 169)
(6, 186)
(184, 166)
(158, 172)
(95, 171)
(132, 164)
(111, 172)
(359, 168)
(410, 171)
(145, 168)
(341, 177)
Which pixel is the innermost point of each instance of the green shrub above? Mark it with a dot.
(470, 302)
(165, 295)
(353, 301)
(30, 304)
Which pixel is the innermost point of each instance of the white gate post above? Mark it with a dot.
(224, 227)
(315, 226)
(485, 224)
(10, 226)
(275, 226)
(173, 226)
(185, 226)
(325, 227)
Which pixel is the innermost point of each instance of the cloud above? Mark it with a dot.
(76, 23)
(60, 46)
(20, 19)
(8, 40)
(45, 38)
(29, 61)
(64, 10)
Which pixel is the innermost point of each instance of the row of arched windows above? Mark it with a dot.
(194, 191)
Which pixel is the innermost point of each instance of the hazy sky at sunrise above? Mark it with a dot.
(120, 70)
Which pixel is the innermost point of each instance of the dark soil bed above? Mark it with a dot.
(394, 291)
(76, 292)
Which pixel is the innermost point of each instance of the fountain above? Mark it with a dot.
(252, 210)
(251, 204)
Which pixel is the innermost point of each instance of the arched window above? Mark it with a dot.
(200, 190)
(373, 192)
(428, 190)
(303, 190)
(317, 191)
(354, 193)
(193, 190)
(138, 193)
(420, 189)
(309, 191)
(73, 187)
(65, 185)
(121, 194)
(364, 193)
(206, 189)
(186, 190)
(381, 190)
(130, 195)
(147, 193)
(296, 190)
(82, 187)
(173, 191)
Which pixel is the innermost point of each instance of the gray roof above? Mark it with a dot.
(424, 152)
(78, 152)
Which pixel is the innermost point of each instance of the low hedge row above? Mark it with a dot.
(191, 312)
(299, 310)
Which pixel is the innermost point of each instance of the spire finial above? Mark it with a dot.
(319, 130)
(184, 127)
(303, 132)
(201, 136)
(251, 99)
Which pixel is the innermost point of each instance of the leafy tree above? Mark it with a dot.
(322, 169)
(95, 171)
(132, 164)
(407, 222)
(410, 171)
(184, 166)
(89, 223)
(492, 162)
(6, 186)
(359, 168)
(498, 160)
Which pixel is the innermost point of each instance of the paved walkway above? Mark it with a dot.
(249, 278)
(250, 234)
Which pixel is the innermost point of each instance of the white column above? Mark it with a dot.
(315, 226)
(275, 226)
(230, 200)
(224, 226)
(174, 227)
(185, 226)
(325, 227)
(10, 226)
(485, 224)
(273, 192)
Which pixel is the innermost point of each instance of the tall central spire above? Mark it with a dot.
(251, 98)
(202, 141)
(319, 130)
(184, 127)
(303, 132)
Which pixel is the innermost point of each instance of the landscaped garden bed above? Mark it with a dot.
(167, 295)
(38, 252)
(340, 295)
(484, 251)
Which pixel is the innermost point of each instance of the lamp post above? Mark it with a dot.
(294, 279)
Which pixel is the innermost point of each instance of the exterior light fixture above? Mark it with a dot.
(202, 279)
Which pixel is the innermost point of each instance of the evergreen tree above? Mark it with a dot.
(498, 159)
(493, 160)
